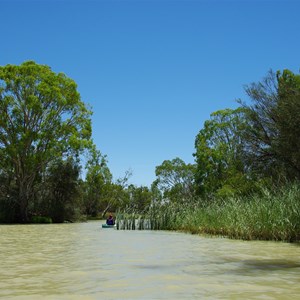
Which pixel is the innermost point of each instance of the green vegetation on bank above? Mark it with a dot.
(41, 220)
(244, 182)
(265, 216)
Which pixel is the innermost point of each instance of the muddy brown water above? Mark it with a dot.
(84, 261)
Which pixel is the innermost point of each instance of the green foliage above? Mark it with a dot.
(63, 182)
(288, 113)
(117, 195)
(271, 215)
(97, 184)
(41, 118)
(274, 140)
(41, 220)
(246, 159)
(221, 170)
(140, 198)
(175, 179)
(101, 194)
(253, 143)
(239, 154)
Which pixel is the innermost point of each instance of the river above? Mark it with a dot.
(84, 261)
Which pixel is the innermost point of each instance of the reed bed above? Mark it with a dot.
(269, 216)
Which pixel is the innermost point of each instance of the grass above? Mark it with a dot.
(269, 216)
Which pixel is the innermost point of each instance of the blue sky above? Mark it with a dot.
(153, 71)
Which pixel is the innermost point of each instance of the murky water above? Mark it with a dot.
(84, 261)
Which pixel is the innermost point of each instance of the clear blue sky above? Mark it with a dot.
(153, 71)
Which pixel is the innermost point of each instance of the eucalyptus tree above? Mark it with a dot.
(273, 142)
(140, 197)
(42, 117)
(63, 201)
(98, 183)
(219, 154)
(289, 122)
(175, 179)
(101, 192)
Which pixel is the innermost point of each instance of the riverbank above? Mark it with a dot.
(268, 216)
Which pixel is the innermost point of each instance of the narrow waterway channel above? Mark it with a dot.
(84, 261)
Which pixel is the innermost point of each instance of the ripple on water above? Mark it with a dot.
(82, 261)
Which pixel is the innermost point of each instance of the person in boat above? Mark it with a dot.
(110, 220)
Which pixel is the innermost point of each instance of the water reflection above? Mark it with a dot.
(84, 261)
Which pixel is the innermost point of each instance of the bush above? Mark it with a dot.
(41, 220)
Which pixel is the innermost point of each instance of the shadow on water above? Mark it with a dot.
(152, 267)
(264, 267)
(271, 264)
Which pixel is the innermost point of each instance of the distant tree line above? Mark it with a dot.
(240, 151)
(45, 131)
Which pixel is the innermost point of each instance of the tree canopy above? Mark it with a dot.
(42, 118)
(45, 128)
(273, 142)
(259, 142)
(219, 153)
(175, 179)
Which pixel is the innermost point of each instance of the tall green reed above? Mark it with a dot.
(271, 215)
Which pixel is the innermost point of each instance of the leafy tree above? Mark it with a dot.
(41, 118)
(140, 197)
(156, 194)
(175, 179)
(118, 196)
(288, 111)
(262, 118)
(101, 193)
(63, 185)
(273, 141)
(219, 154)
(97, 183)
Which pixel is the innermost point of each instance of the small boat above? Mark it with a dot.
(108, 226)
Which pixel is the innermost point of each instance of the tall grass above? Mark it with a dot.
(269, 216)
